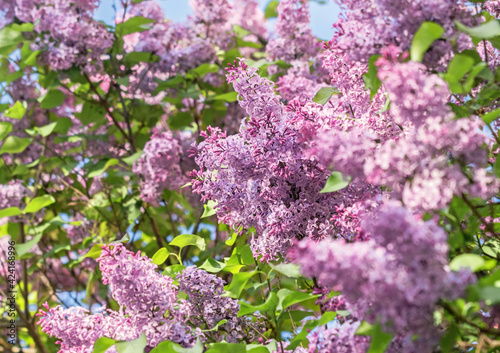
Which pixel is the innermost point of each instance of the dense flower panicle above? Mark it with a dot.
(247, 14)
(159, 167)
(298, 82)
(13, 194)
(396, 277)
(210, 11)
(77, 331)
(294, 39)
(339, 339)
(414, 94)
(493, 7)
(69, 35)
(424, 155)
(208, 307)
(148, 304)
(268, 181)
(369, 25)
(255, 94)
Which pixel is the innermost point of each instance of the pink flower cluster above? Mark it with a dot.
(69, 34)
(159, 167)
(262, 176)
(395, 278)
(148, 304)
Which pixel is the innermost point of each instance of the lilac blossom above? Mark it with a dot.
(396, 278)
(159, 167)
(294, 39)
(262, 176)
(208, 306)
(148, 304)
(369, 25)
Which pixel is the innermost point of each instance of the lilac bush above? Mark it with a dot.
(227, 183)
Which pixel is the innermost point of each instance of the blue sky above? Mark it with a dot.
(322, 16)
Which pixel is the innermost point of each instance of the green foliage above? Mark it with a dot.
(184, 240)
(271, 9)
(133, 346)
(370, 78)
(423, 39)
(324, 94)
(335, 182)
(379, 339)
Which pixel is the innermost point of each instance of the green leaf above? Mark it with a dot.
(38, 203)
(227, 97)
(271, 9)
(10, 211)
(324, 94)
(485, 31)
(135, 58)
(94, 252)
(14, 144)
(209, 209)
(52, 99)
(184, 240)
(22, 249)
(227, 348)
(449, 339)
(380, 339)
(174, 270)
(424, 37)
(232, 239)
(472, 261)
(5, 129)
(490, 294)
(133, 25)
(212, 266)
(335, 182)
(102, 344)
(133, 346)
(370, 78)
(101, 166)
(180, 120)
(289, 270)
(91, 113)
(248, 44)
(47, 129)
(490, 117)
(296, 297)
(234, 289)
(131, 159)
(308, 326)
(459, 66)
(269, 306)
(23, 27)
(160, 256)
(9, 39)
(240, 31)
(216, 327)
(17, 111)
(202, 70)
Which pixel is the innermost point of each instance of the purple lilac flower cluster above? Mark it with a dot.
(148, 303)
(70, 36)
(294, 39)
(262, 177)
(396, 277)
(367, 26)
(208, 306)
(159, 167)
